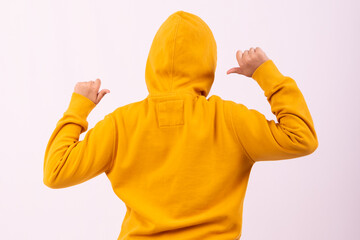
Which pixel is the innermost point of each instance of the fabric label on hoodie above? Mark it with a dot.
(170, 113)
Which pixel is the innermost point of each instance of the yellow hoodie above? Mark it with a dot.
(181, 162)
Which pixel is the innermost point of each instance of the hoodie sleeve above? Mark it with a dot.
(69, 161)
(293, 136)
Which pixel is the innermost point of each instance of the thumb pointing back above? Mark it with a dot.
(238, 59)
(234, 70)
(101, 94)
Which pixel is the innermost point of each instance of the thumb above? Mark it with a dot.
(101, 94)
(234, 70)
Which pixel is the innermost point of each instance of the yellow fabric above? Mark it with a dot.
(181, 162)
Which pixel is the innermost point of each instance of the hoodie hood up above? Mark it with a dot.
(182, 57)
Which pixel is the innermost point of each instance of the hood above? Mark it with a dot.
(182, 57)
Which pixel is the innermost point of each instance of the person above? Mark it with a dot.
(181, 162)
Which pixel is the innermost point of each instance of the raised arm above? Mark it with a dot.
(69, 161)
(294, 135)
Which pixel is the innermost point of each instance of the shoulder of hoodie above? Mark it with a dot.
(119, 111)
(229, 107)
(220, 100)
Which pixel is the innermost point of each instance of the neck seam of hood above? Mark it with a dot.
(173, 93)
(173, 55)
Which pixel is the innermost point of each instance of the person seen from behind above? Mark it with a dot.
(179, 159)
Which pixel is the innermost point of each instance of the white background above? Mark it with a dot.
(47, 46)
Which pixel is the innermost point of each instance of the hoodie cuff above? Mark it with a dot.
(268, 76)
(80, 105)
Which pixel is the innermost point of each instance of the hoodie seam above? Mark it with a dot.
(173, 55)
(171, 94)
(237, 136)
(113, 154)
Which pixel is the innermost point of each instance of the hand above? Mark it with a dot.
(90, 90)
(249, 61)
